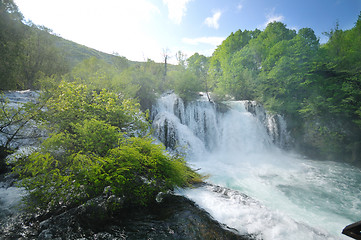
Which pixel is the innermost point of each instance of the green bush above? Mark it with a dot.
(136, 169)
(185, 84)
(92, 152)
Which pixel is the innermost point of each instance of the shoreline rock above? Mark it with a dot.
(176, 217)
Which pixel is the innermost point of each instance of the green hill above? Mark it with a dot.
(75, 53)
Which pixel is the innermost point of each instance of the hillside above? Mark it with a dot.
(75, 53)
(29, 52)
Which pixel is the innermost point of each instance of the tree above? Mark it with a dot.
(166, 56)
(27, 51)
(71, 103)
(223, 53)
(199, 65)
(286, 70)
(147, 85)
(97, 145)
(40, 56)
(181, 58)
(12, 33)
(185, 84)
(274, 33)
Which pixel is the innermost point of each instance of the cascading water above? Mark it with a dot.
(10, 196)
(16, 99)
(256, 187)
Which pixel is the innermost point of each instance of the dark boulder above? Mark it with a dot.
(176, 217)
(4, 152)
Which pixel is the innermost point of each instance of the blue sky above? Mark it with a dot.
(142, 29)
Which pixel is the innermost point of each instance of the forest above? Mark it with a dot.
(87, 94)
(316, 87)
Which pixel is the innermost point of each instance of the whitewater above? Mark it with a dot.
(254, 186)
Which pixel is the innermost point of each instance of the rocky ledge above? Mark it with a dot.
(176, 217)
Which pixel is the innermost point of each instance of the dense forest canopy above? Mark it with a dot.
(317, 87)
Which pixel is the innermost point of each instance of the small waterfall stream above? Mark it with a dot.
(10, 195)
(254, 185)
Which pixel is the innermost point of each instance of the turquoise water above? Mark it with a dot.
(295, 198)
(264, 191)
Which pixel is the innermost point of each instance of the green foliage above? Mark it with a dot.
(137, 169)
(95, 136)
(70, 103)
(142, 82)
(275, 32)
(97, 144)
(185, 84)
(199, 65)
(11, 34)
(221, 57)
(290, 73)
(27, 51)
(148, 80)
(76, 53)
(40, 56)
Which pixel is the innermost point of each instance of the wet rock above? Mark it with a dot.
(256, 109)
(176, 217)
(4, 152)
(275, 124)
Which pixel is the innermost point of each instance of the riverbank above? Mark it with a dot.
(175, 217)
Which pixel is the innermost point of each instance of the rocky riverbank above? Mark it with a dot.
(176, 217)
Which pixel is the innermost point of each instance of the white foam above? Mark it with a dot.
(251, 217)
(10, 200)
(296, 198)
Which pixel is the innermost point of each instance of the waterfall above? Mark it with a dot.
(275, 124)
(255, 186)
(10, 196)
(177, 124)
(22, 139)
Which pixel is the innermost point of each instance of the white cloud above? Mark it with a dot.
(272, 17)
(214, 41)
(213, 21)
(176, 9)
(275, 19)
(295, 28)
(239, 6)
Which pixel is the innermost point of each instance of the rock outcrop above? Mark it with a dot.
(176, 217)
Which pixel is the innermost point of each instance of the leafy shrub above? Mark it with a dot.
(92, 152)
(186, 84)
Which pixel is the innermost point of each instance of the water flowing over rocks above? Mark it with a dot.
(28, 134)
(255, 190)
(176, 122)
(241, 147)
(175, 217)
(275, 124)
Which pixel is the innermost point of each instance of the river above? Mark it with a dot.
(254, 185)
